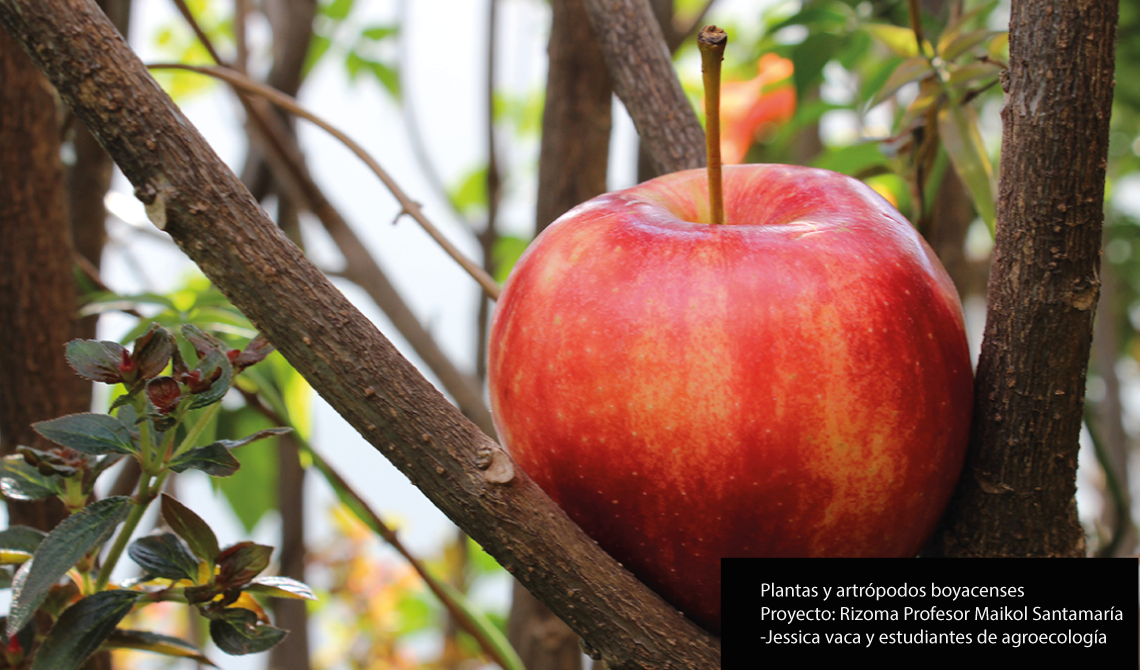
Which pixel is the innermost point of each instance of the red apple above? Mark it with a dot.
(794, 383)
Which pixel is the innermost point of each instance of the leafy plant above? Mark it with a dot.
(64, 606)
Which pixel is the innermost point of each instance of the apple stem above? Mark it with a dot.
(712, 41)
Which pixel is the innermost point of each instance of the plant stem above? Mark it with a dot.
(712, 41)
(128, 529)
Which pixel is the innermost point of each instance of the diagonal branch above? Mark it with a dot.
(643, 77)
(212, 217)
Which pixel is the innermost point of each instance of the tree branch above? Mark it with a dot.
(1016, 495)
(212, 217)
(643, 77)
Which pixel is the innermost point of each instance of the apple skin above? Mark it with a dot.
(794, 383)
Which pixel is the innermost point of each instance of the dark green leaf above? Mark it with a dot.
(60, 551)
(20, 481)
(809, 57)
(240, 563)
(21, 538)
(93, 434)
(191, 528)
(259, 435)
(280, 587)
(60, 462)
(96, 361)
(152, 351)
(82, 628)
(165, 555)
(215, 375)
(213, 459)
(154, 642)
(241, 633)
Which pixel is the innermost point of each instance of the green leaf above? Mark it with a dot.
(280, 587)
(973, 71)
(165, 555)
(470, 197)
(911, 69)
(958, 126)
(896, 38)
(213, 459)
(964, 42)
(240, 563)
(20, 481)
(60, 551)
(93, 434)
(851, 160)
(507, 251)
(377, 33)
(216, 367)
(252, 491)
(240, 633)
(154, 642)
(82, 628)
(388, 77)
(337, 9)
(318, 46)
(95, 360)
(955, 29)
(191, 528)
(809, 57)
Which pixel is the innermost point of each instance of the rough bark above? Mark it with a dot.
(37, 289)
(1016, 496)
(577, 117)
(643, 77)
(218, 224)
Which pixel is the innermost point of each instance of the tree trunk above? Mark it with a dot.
(1016, 496)
(37, 289)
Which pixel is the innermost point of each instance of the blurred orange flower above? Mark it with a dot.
(751, 110)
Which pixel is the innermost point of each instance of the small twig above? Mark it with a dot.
(384, 530)
(916, 25)
(241, 10)
(202, 37)
(240, 81)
